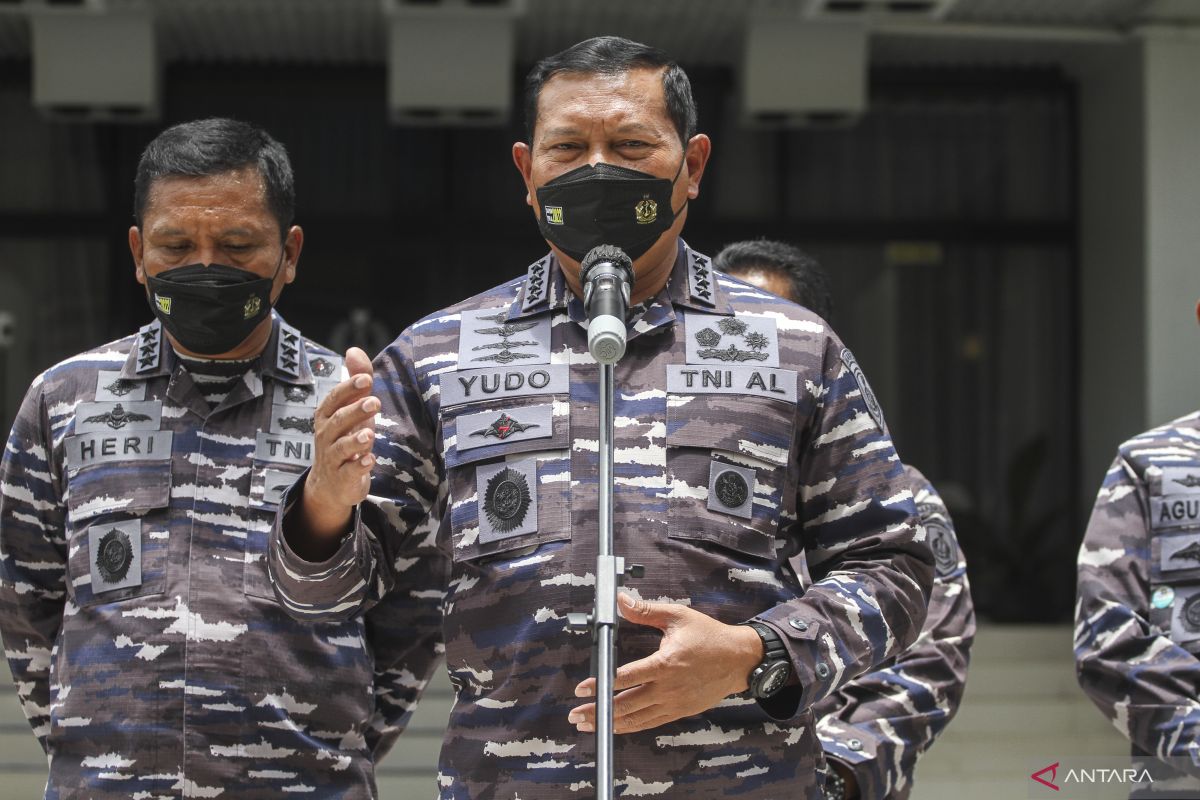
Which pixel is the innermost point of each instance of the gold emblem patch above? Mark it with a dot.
(253, 304)
(554, 215)
(646, 211)
(163, 303)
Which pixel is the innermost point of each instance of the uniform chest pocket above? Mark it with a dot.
(1175, 586)
(118, 529)
(727, 470)
(509, 470)
(268, 482)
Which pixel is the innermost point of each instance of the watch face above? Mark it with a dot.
(773, 678)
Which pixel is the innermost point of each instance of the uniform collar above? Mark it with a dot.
(283, 359)
(692, 284)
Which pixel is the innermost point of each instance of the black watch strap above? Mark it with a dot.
(773, 647)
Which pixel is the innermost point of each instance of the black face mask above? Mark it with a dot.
(210, 309)
(606, 204)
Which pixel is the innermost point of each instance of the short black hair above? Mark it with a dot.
(612, 55)
(808, 279)
(210, 147)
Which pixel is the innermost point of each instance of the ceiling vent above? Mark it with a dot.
(875, 10)
(93, 62)
(797, 73)
(450, 62)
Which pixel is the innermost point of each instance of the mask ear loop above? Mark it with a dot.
(675, 214)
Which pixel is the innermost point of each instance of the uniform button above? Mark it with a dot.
(854, 744)
(822, 670)
(798, 624)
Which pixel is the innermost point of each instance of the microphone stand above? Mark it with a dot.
(610, 574)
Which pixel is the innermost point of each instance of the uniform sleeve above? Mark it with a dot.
(867, 554)
(393, 541)
(879, 724)
(33, 558)
(1144, 683)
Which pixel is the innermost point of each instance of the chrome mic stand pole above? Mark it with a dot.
(604, 618)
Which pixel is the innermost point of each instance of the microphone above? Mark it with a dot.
(607, 274)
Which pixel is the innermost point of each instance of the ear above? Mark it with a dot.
(293, 243)
(135, 249)
(699, 148)
(523, 158)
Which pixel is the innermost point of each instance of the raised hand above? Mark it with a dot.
(341, 470)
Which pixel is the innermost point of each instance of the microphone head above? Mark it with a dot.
(606, 254)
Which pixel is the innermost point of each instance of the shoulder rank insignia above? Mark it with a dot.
(700, 279)
(149, 347)
(288, 351)
(537, 284)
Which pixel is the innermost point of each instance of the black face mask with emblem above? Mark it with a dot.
(606, 204)
(210, 309)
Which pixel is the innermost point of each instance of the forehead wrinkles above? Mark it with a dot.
(242, 190)
(585, 101)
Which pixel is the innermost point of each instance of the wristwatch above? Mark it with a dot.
(773, 671)
(835, 785)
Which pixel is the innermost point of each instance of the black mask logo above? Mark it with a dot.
(606, 204)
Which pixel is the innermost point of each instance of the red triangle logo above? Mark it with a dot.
(1053, 770)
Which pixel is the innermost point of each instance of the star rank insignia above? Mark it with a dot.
(506, 500)
(503, 427)
(114, 555)
(149, 345)
(700, 279)
(287, 359)
(537, 284)
(118, 417)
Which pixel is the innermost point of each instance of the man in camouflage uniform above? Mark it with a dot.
(1137, 619)
(745, 432)
(875, 727)
(136, 495)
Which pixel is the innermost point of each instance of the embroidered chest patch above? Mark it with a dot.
(751, 341)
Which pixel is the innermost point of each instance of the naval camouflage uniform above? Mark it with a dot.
(880, 723)
(1137, 620)
(744, 432)
(139, 621)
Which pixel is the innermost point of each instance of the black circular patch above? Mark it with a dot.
(114, 556)
(506, 500)
(732, 489)
(945, 551)
(1191, 613)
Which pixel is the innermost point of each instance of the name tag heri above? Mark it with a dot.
(284, 449)
(1174, 511)
(731, 340)
(1180, 480)
(111, 386)
(506, 425)
(468, 385)
(779, 384)
(133, 415)
(86, 449)
(115, 555)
